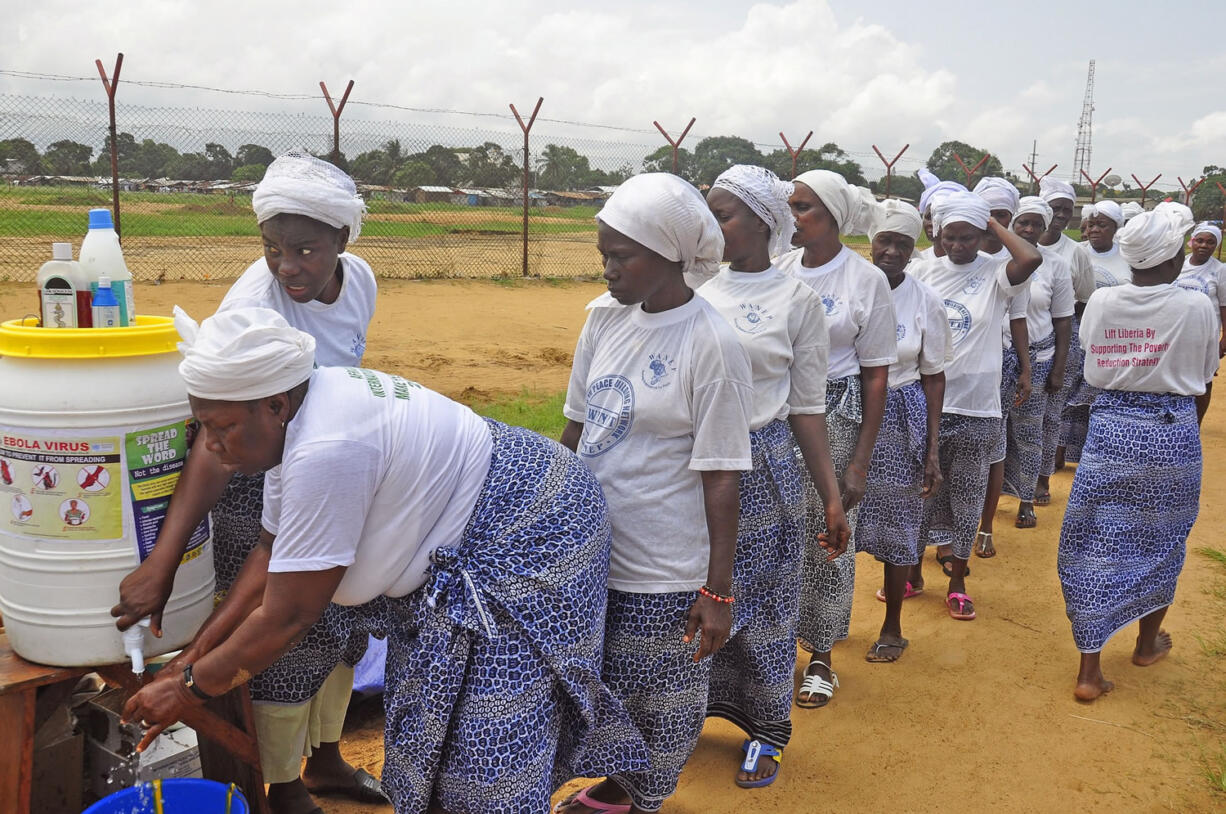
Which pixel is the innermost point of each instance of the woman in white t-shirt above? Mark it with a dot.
(658, 406)
(1205, 273)
(975, 289)
(1062, 197)
(906, 466)
(1099, 222)
(933, 186)
(780, 323)
(860, 321)
(479, 550)
(1049, 323)
(1151, 347)
(308, 211)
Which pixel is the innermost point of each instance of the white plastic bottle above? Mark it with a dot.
(63, 289)
(101, 254)
(106, 308)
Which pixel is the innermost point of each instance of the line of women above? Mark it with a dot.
(578, 610)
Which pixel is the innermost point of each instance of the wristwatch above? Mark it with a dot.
(191, 684)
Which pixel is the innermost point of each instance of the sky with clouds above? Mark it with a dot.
(996, 75)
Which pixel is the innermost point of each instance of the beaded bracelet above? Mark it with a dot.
(712, 595)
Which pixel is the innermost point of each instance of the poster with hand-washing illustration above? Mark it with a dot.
(61, 487)
(156, 457)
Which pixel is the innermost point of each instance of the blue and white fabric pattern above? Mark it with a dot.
(1025, 424)
(951, 516)
(826, 588)
(1134, 499)
(494, 693)
(889, 515)
(752, 674)
(1010, 374)
(652, 671)
(337, 637)
(1075, 418)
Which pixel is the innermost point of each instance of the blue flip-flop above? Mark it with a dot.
(755, 750)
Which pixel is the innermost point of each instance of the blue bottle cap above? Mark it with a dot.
(100, 219)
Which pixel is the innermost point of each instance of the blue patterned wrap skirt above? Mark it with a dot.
(494, 695)
(1075, 418)
(337, 637)
(1134, 499)
(752, 674)
(1025, 451)
(889, 520)
(951, 515)
(826, 588)
(1010, 374)
(1054, 412)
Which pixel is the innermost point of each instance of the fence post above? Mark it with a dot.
(1094, 184)
(1188, 190)
(889, 165)
(111, 86)
(336, 118)
(795, 153)
(675, 144)
(526, 127)
(971, 172)
(1145, 187)
(1034, 179)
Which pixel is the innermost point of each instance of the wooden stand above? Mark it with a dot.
(228, 753)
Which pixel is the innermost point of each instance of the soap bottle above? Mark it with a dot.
(105, 307)
(102, 254)
(63, 290)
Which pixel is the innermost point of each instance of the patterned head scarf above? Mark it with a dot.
(301, 184)
(767, 196)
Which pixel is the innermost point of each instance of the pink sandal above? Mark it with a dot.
(962, 601)
(910, 592)
(583, 798)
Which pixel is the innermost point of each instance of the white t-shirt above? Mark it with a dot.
(1150, 339)
(975, 296)
(1205, 278)
(1110, 268)
(377, 473)
(859, 310)
(1081, 269)
(662, 398)
(925, 345)
(781, 324)
(339, 328)
(922, 256)
(1051, 297)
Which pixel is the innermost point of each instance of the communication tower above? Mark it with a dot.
(1081, 156)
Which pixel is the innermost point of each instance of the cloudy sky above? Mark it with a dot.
(998, 75)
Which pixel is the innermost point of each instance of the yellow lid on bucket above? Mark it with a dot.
(149, 336)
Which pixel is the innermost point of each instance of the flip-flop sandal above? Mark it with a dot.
(755, 750)
(365, 788)
(583, 798)
(819, 690)
(962, 601)
(1026, 522)
(983, 547)
(910, 592)
(1041, 499)
(947, 565)
(873, 656)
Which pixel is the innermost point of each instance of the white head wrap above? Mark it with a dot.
(999, 193)
(1108, 209)
(242, 354)
(670, 217)
(763, 192)
(896, 216)
(960, 207)
(1034, 205)
(1052, 188)
(1156, 236)
(1204, 227)
(851, 207)
(1131, 209)
(934, 186)
(300, 184)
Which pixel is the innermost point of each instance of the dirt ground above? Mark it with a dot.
(975, 717)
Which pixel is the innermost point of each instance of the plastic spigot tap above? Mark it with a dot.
(134, 645)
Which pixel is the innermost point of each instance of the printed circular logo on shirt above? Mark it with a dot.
(660, 371)
(753, 319)
(834, 305)
(1103, 278)
(973, 284)
(959, 317)
(1193, 285)
(900, 332)
(610, 414)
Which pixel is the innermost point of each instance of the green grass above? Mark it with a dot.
(540, 412)
(1214, 554)
(1215, 770)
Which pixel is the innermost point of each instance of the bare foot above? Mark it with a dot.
(1155, 651)
(1089, 689)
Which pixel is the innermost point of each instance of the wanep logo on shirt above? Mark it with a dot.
(973, 284)
(900, 332)
(959, 317)
(659, 371)
(610, 414)
(833, 305)
(753, 319)
(1103, 278)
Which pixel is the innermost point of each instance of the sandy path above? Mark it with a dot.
(975, 717)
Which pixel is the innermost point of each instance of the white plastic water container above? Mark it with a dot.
(93, 433)
(102, 254)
